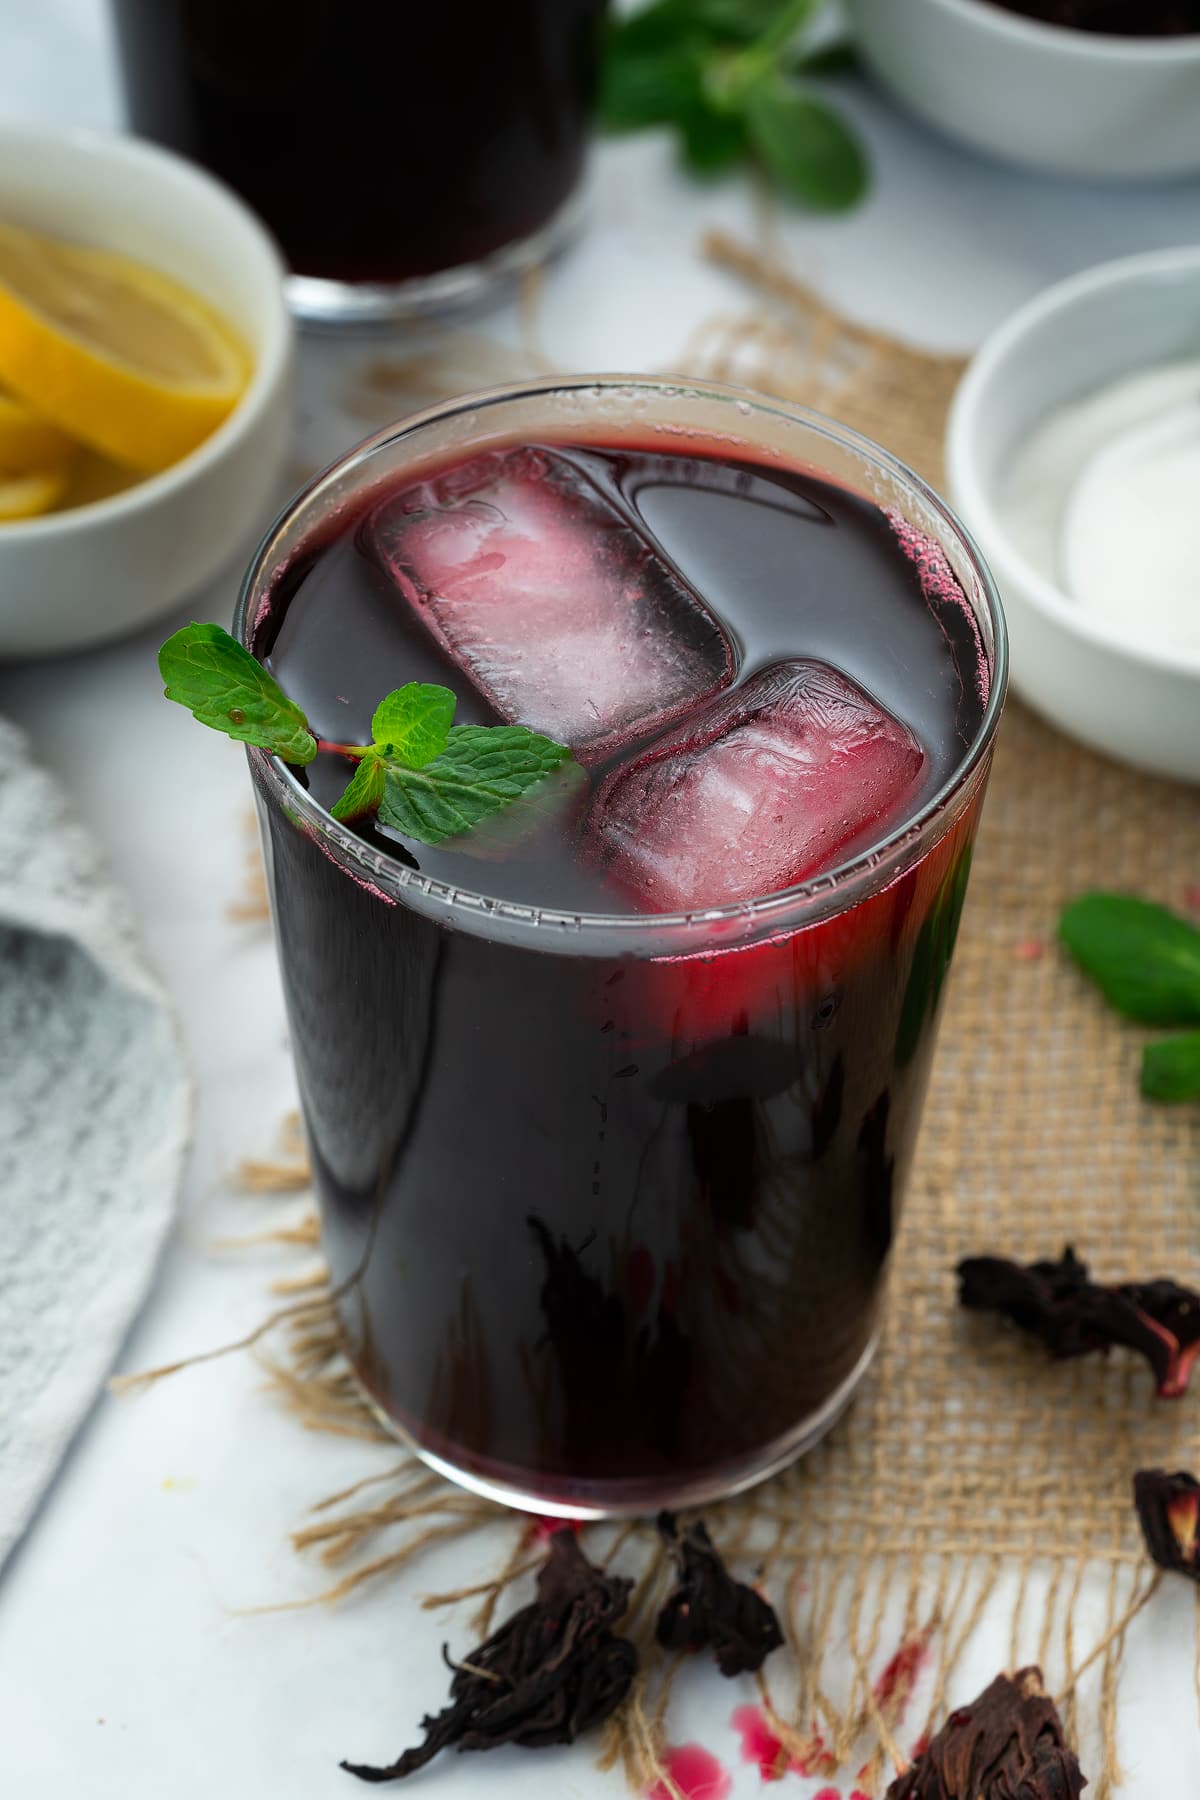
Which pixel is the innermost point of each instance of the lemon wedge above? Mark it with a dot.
(115, 354)
(29, 441)
(25, 496)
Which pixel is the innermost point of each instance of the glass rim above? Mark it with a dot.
(802, 903)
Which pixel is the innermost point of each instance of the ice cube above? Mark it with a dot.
(770, 784)
(561, 613)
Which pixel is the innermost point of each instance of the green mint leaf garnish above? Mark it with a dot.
(808, 151)
(425, 777)
(720, 72)
(223, 686)
(482, 769)
(365, 791)
(1171, 1068)
(1144, 959)
(413, 723)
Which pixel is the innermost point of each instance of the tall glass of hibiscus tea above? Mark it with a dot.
(612, 1096)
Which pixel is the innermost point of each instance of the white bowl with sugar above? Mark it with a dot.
(1072, 447)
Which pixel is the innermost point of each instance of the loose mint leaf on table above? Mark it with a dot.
(208, 672)
(1171, 1068)
(482, 769)
(722, 72)
(1144, 959)
(425, 777)
(805, 146)
(413, 723)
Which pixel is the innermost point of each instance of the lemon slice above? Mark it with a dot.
(29, 441)
(24, 496)
(114, 353)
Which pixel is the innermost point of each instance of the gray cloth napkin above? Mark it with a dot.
(95, 1105)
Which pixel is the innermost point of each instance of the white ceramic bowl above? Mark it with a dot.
(77, 577)
(1072, 102)
(1092, 676)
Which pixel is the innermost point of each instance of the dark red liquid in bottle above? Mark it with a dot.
(614, 1224)
(379, 141)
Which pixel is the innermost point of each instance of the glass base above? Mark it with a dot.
(317, 300)
(631, 1499)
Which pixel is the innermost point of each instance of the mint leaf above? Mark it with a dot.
(364, 792)
(806, 148)
(1144, 959)
(711, 140)
(482, 769)
(224, 687)
(413, 723)
(653, 86)
(1171, 1068)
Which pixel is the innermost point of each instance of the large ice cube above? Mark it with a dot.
(549, 599)
(769, 785)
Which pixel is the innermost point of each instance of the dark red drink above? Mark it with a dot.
(382, 143)
(611, 1116)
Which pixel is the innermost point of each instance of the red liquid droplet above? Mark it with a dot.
(898, 1680)
(827, 1794)
(762, 1746)
(696, 1773)
(759, 1743)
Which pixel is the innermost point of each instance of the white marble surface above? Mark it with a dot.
(129, 1667)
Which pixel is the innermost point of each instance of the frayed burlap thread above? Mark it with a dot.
(971, 1474)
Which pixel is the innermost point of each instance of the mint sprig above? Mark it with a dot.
(734, 77)
(1146, 962)
(424, 776)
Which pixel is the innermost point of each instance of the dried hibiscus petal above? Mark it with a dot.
(1168, 1509)
(1007, 1745)
(1073, 1315)
(549, 1673)
(709, 1610)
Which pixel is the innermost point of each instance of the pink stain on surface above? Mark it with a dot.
(895, 1686)
(1030, 950)
(541, 1529)
(759, 1743)
(762, 1745)
(1191, 898)
(696, 1773)
(859, 1795)
(827, 1794)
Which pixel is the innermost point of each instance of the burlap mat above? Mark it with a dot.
(971, 1473)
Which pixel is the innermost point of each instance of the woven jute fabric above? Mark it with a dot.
(971, 1473)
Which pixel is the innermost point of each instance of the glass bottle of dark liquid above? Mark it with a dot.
(402, 154)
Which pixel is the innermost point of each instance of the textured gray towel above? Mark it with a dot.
(94, 1113)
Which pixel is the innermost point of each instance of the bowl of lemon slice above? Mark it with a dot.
(145, 385)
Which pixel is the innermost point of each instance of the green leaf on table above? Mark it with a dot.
(364, 792)
(482, 769)
(837, 58)
(413, 722)
(1171, 1068)
(741, 21)
(805, 146)
(712, 141)
(224, 687)
(655, 86)
(1144, 959)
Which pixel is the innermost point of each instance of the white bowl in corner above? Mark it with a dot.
(1093, 677)
(1066, 101)
(74, 578)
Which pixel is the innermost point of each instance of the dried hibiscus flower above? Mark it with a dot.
(1168, 1509)
(1073, 1315)
(555, 1669)
(1007, 1745)
(709, 1610)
